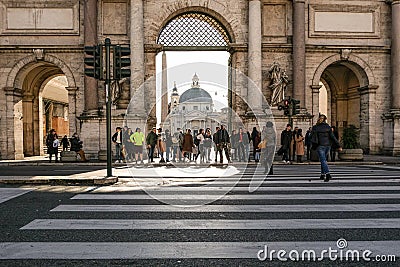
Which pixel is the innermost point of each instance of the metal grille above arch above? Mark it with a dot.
(194, 31)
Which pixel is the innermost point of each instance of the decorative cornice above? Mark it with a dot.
(235, 47)
(369, 89)
(153, 48)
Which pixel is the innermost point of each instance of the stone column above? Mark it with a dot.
(72, 109)
(367, 118)
(27, 107)
(90, 39)
(254, 95)
(239, 79)
(299, 51)
(14, 119)
(137, 53)
(150, 83)
(315, 101)
(396, 54)
(164, 89)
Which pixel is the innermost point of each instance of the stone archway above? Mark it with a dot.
(351, 98)
(25, 83)
(194, 29)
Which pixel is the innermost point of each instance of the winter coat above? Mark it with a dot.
(151, 139)
(187, 143)
(286, 138)
(223, 136)
(76, 144)
(325, 135)
(49, 143)
(299, 145)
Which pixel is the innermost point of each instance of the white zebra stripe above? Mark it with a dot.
(192, 224)
(234, 197)
(228, 208)
(172, 250)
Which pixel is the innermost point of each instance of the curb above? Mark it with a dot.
(61, 181)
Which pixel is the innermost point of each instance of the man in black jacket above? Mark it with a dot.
(324, 138)
(286, 139)
(224, 144)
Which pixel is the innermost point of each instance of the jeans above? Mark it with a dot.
(151, 153)
(167, 153)
(285, 156)
(118, 149)
(323, 151)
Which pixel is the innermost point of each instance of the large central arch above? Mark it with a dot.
(194, 31)
(197, 30)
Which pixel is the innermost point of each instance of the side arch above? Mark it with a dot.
(360, 68)
(15, 77)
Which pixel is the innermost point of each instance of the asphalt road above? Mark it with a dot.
(358, 196)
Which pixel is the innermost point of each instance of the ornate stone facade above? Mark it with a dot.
(351, 47)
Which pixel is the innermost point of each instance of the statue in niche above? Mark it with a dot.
(279, 82)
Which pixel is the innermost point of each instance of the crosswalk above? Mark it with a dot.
(190, 218)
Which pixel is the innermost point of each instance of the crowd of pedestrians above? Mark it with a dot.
(204, 146)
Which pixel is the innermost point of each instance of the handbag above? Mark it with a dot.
(262, 144)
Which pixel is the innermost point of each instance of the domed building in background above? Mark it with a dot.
(194, 109)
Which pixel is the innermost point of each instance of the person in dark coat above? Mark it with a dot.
(188, 144)
(76, 145)
(216, 142)
(286, 140)
(325, 138)
(307, 140)
(52, 144)
(254, 135)
(151, 141)
(224, 144)
(334, 146)
(117, 140)
(65, 143)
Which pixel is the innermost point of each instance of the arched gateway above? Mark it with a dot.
(357, 60)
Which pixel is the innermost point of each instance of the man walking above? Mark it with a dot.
(224, 144)
(151, 141)
(322, 137)
(216, 142)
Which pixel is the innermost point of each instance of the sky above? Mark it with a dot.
(210, 66)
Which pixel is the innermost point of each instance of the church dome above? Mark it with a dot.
(195, 94)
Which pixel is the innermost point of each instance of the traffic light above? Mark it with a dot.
(285, 105)
(295, 106)
(121, 60)
(94, 59)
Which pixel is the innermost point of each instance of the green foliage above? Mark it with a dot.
(350, 138)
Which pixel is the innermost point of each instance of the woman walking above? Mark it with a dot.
(322, 138)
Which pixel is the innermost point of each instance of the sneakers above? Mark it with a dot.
(322, 177)
(327, 177)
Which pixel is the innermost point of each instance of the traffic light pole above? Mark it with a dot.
(108, 106)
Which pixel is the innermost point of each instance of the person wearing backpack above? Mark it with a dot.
(322, 138)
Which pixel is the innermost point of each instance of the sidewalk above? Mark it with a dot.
(44, 161)
(98, 177)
